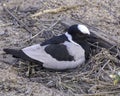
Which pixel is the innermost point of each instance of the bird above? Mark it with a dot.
(62, 52)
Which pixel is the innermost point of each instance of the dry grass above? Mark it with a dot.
(91, 78)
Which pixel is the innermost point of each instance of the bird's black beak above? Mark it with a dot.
(92, 38)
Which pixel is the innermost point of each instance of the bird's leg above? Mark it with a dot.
(30, 70)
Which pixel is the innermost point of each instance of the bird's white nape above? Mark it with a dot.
(83, 29)
(70, 38)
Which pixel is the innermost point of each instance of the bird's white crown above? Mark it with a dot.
(83, 29)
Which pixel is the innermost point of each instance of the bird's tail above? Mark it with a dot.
(19, 54)
(14, 52)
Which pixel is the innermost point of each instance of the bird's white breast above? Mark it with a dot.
(75, 50)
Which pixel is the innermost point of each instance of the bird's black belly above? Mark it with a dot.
(59, 52)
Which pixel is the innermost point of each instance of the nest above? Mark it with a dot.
(91, 78)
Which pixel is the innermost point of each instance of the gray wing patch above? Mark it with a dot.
(59, 52)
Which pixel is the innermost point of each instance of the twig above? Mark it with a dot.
(34, 35)
(101, 93)
(43, 30)
(7, 62)
(102, 68)
(4, 25)
(56, 10)
(66, 86)
(13, 16)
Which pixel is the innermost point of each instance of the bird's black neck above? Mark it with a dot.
(84, 44)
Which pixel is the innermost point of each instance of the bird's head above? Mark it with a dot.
(79, 31)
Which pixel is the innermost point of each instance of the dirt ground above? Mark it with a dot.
(102, 14)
